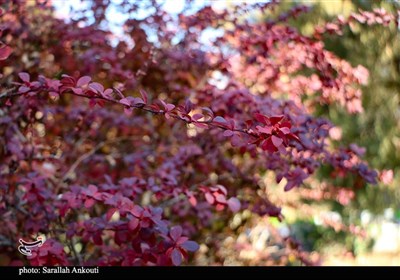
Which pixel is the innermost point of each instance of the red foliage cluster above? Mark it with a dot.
(120, 144)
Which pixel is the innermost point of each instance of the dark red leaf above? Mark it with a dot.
(5, 52)
(276, 119)
(110, 213)
(133, 223)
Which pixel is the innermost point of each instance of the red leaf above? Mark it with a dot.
(220, 207)
(110, 213)
(261, 118)
(97, 238)
(276, 141)
(220, 198)
(136, 211)
(286, 124)
(89, 202)
(5, 52)
(266, 129)
(274, 120)
(193, 200)
(267, 145)
(133, 223)
(210, 198)
(144, 95)
(285, 130)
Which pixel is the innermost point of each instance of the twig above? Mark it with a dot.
(85, 156)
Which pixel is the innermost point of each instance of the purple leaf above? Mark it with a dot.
(24, 77)
(197, 117)
(220, 120)
(23, 89)
(228, 133)
(236, 140)
(107, 93)
(77, 90)
(138, 101)
(96, 87)
(176, 257)
(208, 110)
(169, 107)
(126, 101)
(188, 106)
(128, 111)
(234, 204)
(175, 232)
(83, 81)
(190, 246)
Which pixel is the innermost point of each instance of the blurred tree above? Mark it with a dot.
(378, 127)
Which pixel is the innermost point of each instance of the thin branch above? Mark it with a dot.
(85, 156)
(156, 112)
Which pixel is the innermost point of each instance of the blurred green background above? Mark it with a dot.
(376, 208)
(372, 235)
